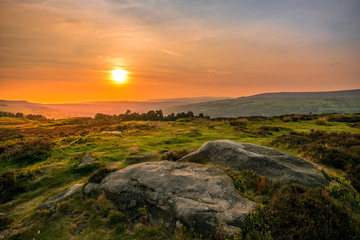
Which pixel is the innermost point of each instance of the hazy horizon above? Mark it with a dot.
(171, 98)
(65, 51)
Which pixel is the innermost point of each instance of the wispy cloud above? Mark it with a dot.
(172, 53)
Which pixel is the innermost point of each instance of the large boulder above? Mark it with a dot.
(283, 167)
(52, 202)
(203, 198)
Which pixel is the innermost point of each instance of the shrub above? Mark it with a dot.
(345, 196)
(322, 121)
(9, 187)
(115, 217)
(348, 119)
(5, 221)
(353, 174)
(193, 133)
(240, 128)
(254, 186)
(7, 183)
(340, 150)
(298, 212)
(256, 225)
(86, 169)
(239, 122)
(76, 159)
(270, 128)
(28, 152)
(343, 191)
(43, 213)
(99, 174)
(175, 155)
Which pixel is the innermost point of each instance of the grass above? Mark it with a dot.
(56, 167)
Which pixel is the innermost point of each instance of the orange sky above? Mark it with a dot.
(63, 51)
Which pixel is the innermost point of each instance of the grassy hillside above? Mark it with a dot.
(275, 104)
(40, 159)
(266, 104)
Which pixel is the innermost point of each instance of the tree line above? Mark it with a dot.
(127, 116)
(37, 117)
(149, 116)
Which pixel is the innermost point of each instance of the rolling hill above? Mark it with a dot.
(89, 109)
(266, 104)
(274, 104)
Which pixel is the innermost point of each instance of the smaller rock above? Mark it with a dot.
(5, 234)
(28, 224)
(88, 159)
(91, 190)
(112, 132)
(52, 202)
(80, 227)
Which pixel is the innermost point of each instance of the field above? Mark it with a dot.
(40, 159)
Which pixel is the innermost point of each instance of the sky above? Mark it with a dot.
(54, 51)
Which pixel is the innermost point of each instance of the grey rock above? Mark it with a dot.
(5, 234)
(112, 132)
(283, 167)
(91, 190)
(52, 202)
(28, 224)
(200, 197)
(88, 159)
(80, 227)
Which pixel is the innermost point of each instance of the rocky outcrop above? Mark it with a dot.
(52, 202)
(269, 162)
(201, 197)
(88, 159)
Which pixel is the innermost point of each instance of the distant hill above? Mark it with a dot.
(274, 104)
(31, 108)
(266, 104)
(89, 109)
(190, 99)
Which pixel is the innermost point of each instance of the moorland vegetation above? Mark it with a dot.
(40, 158)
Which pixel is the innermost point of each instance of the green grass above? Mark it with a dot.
(58, 170)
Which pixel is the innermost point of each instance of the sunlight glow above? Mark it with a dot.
(119, 75)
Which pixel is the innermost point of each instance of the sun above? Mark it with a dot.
(119, 75)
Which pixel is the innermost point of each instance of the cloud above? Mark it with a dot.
(172, 53)
(181, 41)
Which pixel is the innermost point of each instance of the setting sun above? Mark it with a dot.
(119, 75)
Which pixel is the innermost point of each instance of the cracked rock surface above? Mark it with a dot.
(283, 167)
(200, 197)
